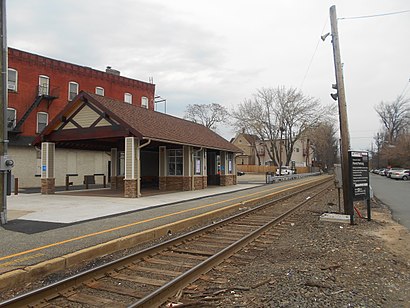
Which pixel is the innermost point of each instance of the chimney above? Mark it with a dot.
(112, 71)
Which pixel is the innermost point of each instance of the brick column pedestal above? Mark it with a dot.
(130, 189)
(48, 186)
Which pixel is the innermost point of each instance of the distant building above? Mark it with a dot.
(254, 151)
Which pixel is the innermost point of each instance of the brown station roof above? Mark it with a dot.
(135, 121)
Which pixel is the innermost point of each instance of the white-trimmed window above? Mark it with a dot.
(11, 118)
(12, 79)
(72, 90)
(198, 162)
(43, 85)
(128, 98)
(42, 121)
(144, 102)
(175, 161)
(230, 163)
(99, 91)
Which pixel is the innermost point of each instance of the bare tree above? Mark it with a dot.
(207, 114)
(279, 112)
(298, 113)
(395, 117)
(257, 117)
(324, 142)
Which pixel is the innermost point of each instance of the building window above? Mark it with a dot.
(99, 91)
(43, 85)
(42, 121)
(12, 80)
(11, 118)
(72, 90)
(175, 162)
(198, 162)
(144, 102)
(128, 98)
(230, 163)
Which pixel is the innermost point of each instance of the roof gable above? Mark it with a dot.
(90, 111)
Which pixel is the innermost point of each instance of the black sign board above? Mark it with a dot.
(359, 175)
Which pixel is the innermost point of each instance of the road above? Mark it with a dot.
(395, 194)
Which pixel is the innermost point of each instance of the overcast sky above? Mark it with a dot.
(220, 51)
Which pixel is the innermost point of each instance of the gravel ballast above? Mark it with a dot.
(317, 264)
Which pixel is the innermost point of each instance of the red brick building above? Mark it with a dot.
(40, 87)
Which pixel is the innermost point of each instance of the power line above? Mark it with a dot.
(403, 93)
(376, 15)
(311, 59)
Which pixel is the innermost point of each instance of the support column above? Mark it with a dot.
(162, 161)
(114, 168)
(132, 181)
(224, 165)
(187, 173)
(47, 168)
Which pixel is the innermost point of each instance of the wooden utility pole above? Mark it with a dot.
(344, 131)
(3, 112)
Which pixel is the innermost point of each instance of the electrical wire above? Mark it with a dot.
(311, 59)
(404, 92)
(376, 15)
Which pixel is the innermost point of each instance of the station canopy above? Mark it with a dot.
(94, 122)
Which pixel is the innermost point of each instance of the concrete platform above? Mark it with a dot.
(48, 233)
(334, 217)
(82, 205)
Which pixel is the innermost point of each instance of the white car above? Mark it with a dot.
(284, 171)
(403, 174)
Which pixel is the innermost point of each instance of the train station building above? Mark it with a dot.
(147, 148)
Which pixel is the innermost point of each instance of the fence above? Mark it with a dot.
(264, 169)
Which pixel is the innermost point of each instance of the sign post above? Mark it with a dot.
(359, 178)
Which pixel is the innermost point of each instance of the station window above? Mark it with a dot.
(128, 98)
(198, 162)
(42, 121)
(11, 118)
(99, 91)
(175, 162)
(12, 80)
(43, 85)
(230, 163)
(144, 102)
(72, 90)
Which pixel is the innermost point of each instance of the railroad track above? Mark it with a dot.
(149, 277)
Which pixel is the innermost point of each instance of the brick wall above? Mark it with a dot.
(130, 189)
(30, 66)
(48, 186)
(181, 183)
(117, 183)
(227, 180)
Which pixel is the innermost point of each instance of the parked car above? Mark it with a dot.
(239, 173)
(389, 171)
(382, 172)
(403, 174)
(284, 171)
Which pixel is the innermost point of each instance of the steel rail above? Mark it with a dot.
(159, 296)
(46, 293)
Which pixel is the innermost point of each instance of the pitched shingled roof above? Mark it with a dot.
(148, 124)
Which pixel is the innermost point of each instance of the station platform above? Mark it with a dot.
(69, 227)
(82, 205)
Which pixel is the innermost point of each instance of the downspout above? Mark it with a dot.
(193, 167)
(139, 166)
